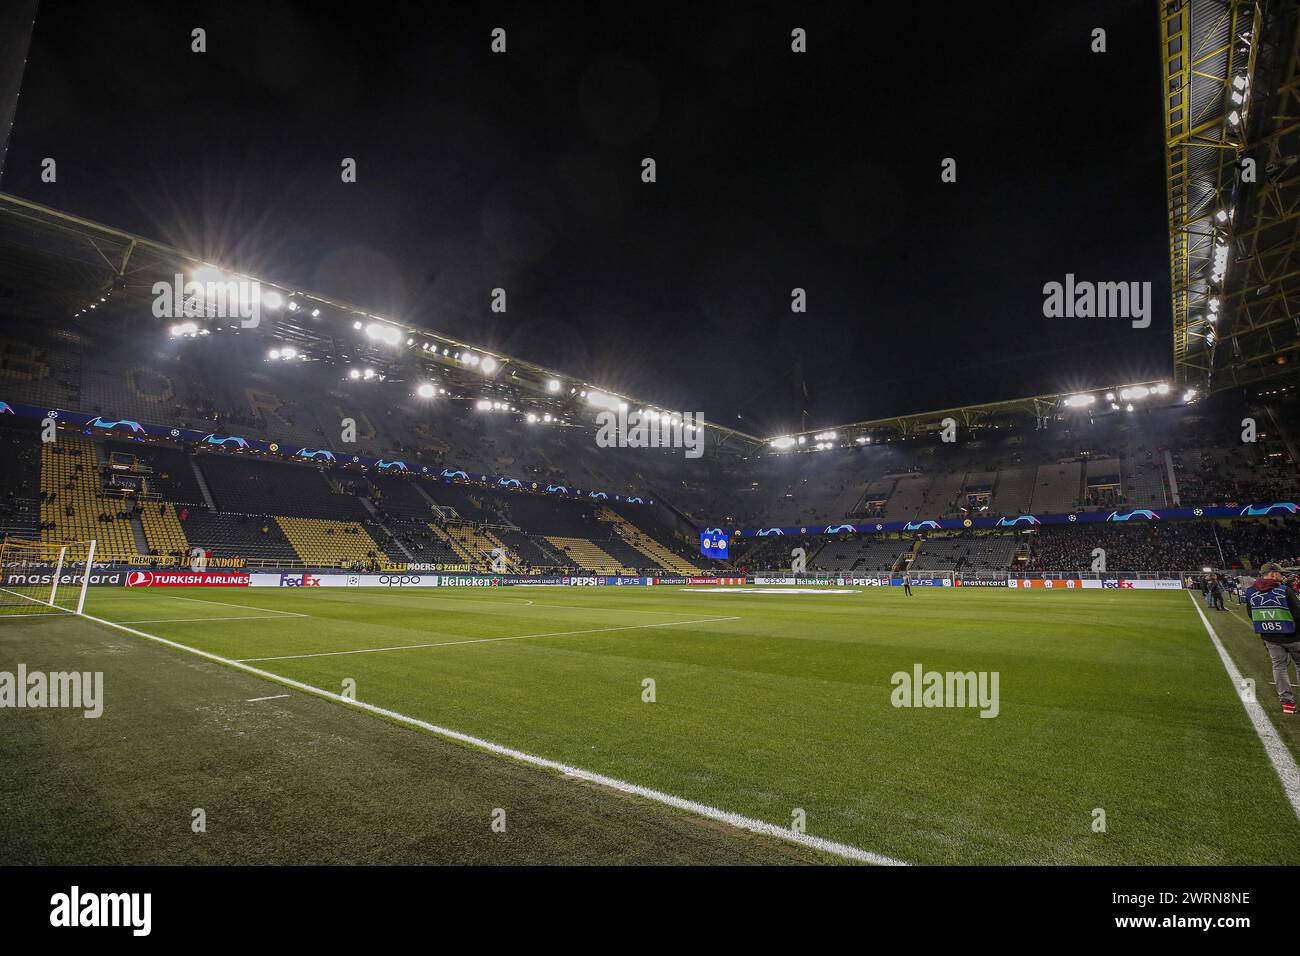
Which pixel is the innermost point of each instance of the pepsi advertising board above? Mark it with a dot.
(714, 543)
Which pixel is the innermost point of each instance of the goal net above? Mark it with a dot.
(38, 577)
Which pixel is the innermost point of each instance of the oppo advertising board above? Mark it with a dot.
(308, 579)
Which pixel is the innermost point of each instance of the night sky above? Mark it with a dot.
(522, 170)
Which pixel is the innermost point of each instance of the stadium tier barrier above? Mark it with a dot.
(113, 576)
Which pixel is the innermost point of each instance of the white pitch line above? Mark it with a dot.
(210, 620)
(28, 597)
(1278, 752)
(254, 700)
(740, 822)
(481, 640)
(245, 607)
(423, 594)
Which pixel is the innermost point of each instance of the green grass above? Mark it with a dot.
(1110, 700)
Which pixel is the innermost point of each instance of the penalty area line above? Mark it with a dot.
(482, 640)
(739, 821)
(1278, 752)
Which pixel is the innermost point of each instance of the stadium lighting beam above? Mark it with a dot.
(553, 386)
(426, 391)
(272, 300)
(388, 334)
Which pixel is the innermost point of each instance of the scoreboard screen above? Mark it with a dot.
(714, 543)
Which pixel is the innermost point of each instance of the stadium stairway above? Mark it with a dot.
(658, 556)
(390, 541)
(138, 533)
(588, 555)
(203, 484)
(514, 564)
(446, 538)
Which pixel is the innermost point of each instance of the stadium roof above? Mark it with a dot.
(92, 273)
(1232, 138)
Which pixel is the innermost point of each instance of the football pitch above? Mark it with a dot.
(1114, 734)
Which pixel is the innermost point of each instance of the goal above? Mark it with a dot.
(38, 577)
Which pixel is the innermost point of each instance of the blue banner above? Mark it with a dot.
(1274, 509)
(219, 441)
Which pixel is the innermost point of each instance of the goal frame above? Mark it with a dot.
(46, 550)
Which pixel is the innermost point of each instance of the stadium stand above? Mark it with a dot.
(167, 469)
(249, 485)
(20, 480)
(327, 543)
(1012, 491)
(73, 507)
(647, 551)
(870, 553)
(1056, 487)
(256, 538)
(162, 529)
(589, 556)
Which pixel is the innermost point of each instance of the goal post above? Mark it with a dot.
(44, 577)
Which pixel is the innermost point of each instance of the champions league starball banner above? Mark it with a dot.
(125, 428)
(1275, 509)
